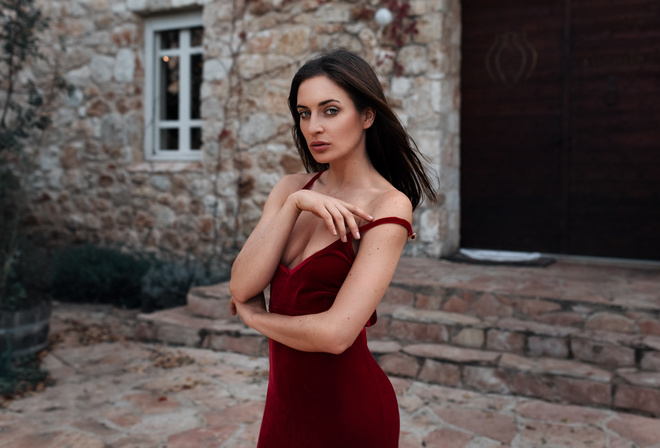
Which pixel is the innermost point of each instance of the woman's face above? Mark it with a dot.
(332, 126)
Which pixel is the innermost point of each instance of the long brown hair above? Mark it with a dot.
(391, 150)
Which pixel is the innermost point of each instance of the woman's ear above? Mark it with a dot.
(369, 117)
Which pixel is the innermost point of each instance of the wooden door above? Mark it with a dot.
(561, 126)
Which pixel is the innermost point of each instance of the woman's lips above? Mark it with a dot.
(319, 146)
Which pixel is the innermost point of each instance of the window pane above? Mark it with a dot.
(196, 36)
(169, 86)
(195, 138)
(195, 85)
(169, 139)
(169, 39)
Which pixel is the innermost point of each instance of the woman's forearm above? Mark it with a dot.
(257, 261)
(308, 333)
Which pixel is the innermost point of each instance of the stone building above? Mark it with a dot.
(175, 126)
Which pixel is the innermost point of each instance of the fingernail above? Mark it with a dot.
(334, 232)
(344, 239)
(371, 217)
(357, 235)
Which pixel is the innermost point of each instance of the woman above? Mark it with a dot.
(328, 244)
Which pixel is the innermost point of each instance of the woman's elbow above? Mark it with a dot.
(339, 343)
(239, 294)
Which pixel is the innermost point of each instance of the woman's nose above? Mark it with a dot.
(315, 126)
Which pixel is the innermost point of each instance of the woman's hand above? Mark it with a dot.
(249, 308)
(337, 214)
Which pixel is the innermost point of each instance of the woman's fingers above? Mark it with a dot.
(339, 216)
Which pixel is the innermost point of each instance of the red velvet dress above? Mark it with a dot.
(321, 400)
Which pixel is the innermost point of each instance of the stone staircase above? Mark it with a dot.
(573, 333)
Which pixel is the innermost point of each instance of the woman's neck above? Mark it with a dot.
(349, 174)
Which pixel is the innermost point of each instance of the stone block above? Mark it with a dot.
(432, 316)
(380, 329)
(549, 366)
(440, 373)
(175, 334)
(649, 326)
(539, 307)
(247, 345)
(540, 346)
(485, 379)
(562, 319)
(642, 379)
(493, 425)
(511, 324)
(456, 305)
(532, 386)
(505, 341)
(488, 305)
(469, 337)
(610, 322)
(207, 307)
(602, 354)
(454, 354)
(651, 361)
(399, 364)
(584, 392)
(643, 431)
(446, 437)
(560, 413)
(638, 399)
(383, 347)
(399, 296)
(418, 332)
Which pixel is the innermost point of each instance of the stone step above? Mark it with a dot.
(554, 380)
(604, 348)
(616, 300)
(635, 388)
(180, 326)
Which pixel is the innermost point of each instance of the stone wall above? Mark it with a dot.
(94, 184)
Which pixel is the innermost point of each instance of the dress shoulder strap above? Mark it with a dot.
(390, 220)
(309, 184)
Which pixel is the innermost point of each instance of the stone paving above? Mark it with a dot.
(111, 391)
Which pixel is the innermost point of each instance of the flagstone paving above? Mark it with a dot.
(111, 391)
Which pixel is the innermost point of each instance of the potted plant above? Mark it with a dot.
(24, 309)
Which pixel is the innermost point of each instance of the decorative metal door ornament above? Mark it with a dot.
(511, 71)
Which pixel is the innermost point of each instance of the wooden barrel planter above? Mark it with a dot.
(24, 332)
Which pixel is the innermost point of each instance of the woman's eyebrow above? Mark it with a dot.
(322, 103)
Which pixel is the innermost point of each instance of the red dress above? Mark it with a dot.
(321, 400)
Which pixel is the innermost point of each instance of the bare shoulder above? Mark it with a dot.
(290, 183)
(392, 202)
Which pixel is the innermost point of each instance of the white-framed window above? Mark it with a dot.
(173, 77)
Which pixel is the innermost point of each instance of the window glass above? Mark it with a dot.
(169, 39)
(169, 85)
(196, 66)
(196, 36)
(195, 139)
(169, 139)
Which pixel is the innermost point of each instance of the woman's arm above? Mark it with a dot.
(257, 261)
(335, 330)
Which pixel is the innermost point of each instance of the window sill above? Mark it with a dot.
(166, 167)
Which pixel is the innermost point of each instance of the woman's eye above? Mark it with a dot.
(332, 111)
(304, 113)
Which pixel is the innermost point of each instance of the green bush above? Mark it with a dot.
(90, 274)
(166, 284)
